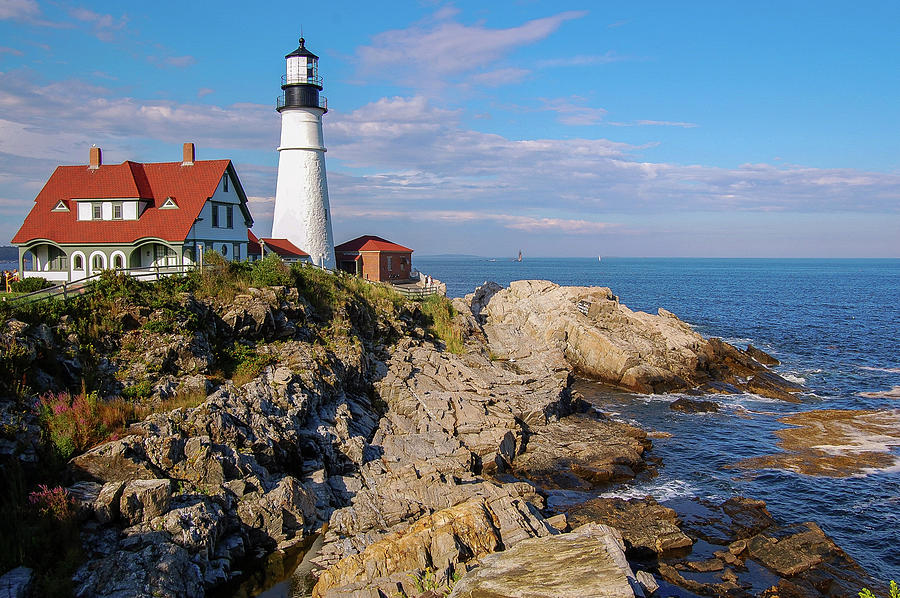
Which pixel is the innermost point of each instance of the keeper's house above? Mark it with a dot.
(91, 218)
(375, 258)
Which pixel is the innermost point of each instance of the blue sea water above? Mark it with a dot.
(833, 324)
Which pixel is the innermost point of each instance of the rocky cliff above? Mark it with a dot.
(605, 340)
(413, 462)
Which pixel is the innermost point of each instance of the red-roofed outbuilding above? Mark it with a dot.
(287, 251)
(133, 215)
(375, 258)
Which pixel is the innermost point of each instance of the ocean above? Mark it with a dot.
(833, 323)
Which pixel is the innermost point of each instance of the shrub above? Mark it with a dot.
(73, 423)
(244, 363)
(141, 390)
(895, 591)
(269, 272)
(30, 285)
(39, 531)
(52, 502)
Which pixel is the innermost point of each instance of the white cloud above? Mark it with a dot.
(582, 60)
(434, 54)
(415, 156)
(13, 51)
(572, 111)
(179, 61)
(104, 26)
(499, 77)
(667, 123)
(509, 221)
(19, 10)
(90, 114)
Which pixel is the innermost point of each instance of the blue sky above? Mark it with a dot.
(760, 129)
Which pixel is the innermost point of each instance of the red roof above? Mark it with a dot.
(188, 186)
(371, 243)
(280, 247)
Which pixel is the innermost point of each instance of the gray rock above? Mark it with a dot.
(647, 581)
(116, 461)
(17, 583)
(152, 567)
(142, 500)
(84, 494)
(588, 561)
(632, 350)
(106, 507)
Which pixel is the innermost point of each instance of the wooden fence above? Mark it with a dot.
(81, 286)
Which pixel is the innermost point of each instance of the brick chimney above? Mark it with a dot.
(187, 154)
(96, 158)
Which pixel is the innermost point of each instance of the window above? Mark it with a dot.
(78, 262)
(225, 183)
(224, 249)
(390, 264)
(96, 212)
(215, 216)
(229, 216)
(118, 261)
(97, 262)
(237, 250)
(117, 211)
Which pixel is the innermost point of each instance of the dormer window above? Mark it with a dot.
(169, 204)
(117, 209)
(60, 207)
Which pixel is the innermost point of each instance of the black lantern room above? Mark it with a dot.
(301, 83)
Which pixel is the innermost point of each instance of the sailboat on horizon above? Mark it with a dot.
(518, 259)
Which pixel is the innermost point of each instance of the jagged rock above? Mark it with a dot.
(646, 526)
(17, 583)
(151, 566)
(115, 461)
(632, 350)
(279, 514)
(588, 561)
(794, 549)
(142, 500)
(478, 299)
(693, 406)
(441, 541)
(195, 527)
(84, 495)
(106, 507)
(761, 356)
(647, 581)
(582, 451)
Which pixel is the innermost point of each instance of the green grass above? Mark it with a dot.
(440, 314)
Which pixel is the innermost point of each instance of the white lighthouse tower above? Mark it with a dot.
(301, 194)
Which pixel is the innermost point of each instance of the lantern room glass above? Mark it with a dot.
(301, 69)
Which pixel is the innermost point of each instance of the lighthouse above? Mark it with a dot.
(301, 193)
